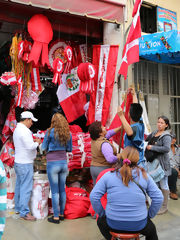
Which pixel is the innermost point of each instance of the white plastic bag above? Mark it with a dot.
(39, 198)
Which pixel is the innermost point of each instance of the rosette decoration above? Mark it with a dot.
(58, 67)
(41, 32)
(8, 78)
(86, 73)
(68, 53)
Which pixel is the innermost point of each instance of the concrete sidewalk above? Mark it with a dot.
(168, 226)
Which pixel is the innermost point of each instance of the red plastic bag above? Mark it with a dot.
(77, 203)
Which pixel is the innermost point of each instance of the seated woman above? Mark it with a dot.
(104, 154)
(126, 209)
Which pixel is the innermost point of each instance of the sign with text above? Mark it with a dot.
(166, 20)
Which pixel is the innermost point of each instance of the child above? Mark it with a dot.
(135, 131)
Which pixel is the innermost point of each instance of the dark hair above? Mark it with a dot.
(166, 120)
(135, 111)
(95, 130)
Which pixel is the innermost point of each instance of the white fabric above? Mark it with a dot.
(25, 147)
(39, 198)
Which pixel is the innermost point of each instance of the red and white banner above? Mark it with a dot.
(105, 60)
(70, 98)
(35, 80)
(131, 48)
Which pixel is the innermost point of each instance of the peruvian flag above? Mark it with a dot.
(131, 48)
(70, 98)
(104, 60)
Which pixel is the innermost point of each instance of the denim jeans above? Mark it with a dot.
(23, 188)
(163, 183)
(57, 173)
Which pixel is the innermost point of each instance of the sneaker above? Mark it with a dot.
(29, 217)
(173, 196)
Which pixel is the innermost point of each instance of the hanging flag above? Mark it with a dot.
(131, 48)
(104, 60)
(70, 98)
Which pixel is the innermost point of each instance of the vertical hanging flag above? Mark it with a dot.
(104, 60)
(131, 48)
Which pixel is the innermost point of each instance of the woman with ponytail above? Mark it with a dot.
(126, 209)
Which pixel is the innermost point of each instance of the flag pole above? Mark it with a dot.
(122, 129)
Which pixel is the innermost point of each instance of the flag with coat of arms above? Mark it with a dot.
(71, 99)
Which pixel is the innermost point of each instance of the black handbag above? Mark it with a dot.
(149, 154)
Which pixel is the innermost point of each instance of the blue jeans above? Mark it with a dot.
(163, 183)
(23, 189)
(57, 173)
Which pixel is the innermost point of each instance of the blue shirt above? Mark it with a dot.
(51, 144)
(137, 139)
(126, 203)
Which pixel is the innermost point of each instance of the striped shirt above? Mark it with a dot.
(3, 198)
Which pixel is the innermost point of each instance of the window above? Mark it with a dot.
(148, 17)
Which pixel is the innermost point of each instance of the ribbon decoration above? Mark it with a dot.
(20, 92)
(86, 73)
(35, 79)
(41, 32)
(58, 66)
(68, 53)
(20, 49)
(8, 78)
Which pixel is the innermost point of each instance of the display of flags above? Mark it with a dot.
(104, 60)
(70, 98)
(131, 48)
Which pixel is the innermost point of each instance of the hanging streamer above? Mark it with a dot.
(35, 79)
(20, 92)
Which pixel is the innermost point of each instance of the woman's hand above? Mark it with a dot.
(120, 111)
(149, 147)
(118, 156)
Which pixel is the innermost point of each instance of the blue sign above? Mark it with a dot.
(161, 47)
(166, 20)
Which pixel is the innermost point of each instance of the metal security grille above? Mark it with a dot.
(161, 87)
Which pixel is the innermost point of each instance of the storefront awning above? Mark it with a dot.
(161, 47)
(107, 10)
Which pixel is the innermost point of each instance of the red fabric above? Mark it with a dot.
(131, 48)
(116, 122)
(105, 60)
(73, 106)
(58, 67)
(10, 123)
(101, 9)
(104, 197)
(40, 30)
(7, 153)
(86, 73)
(77, 203)
(70, 98)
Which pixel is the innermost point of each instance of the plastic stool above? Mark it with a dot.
(124, 236)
